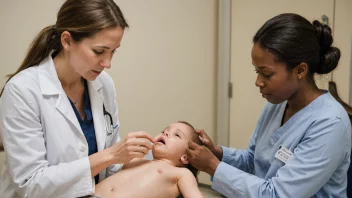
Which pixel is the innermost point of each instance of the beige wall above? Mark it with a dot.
(164, 70)
(343, 40)
(2, 158)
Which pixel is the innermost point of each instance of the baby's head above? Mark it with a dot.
(172, 144)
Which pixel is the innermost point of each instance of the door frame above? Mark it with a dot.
(224, 73)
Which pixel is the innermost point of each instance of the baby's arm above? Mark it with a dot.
(187, 184)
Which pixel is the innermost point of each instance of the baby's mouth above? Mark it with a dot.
(161, 141)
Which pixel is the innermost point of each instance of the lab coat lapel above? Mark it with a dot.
(50, 86)
(63, 105)
(97, 102)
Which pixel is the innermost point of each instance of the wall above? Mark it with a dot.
(343, 40)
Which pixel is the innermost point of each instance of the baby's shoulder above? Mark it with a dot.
(181, 172)
(170, 170)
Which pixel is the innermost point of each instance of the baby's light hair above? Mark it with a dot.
(195, 139)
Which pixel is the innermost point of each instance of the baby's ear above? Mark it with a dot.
(184, 159)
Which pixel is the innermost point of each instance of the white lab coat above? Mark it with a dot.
(46, 153)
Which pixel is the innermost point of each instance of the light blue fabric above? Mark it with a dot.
(319, 136)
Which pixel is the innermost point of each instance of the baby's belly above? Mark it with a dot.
(131, 183)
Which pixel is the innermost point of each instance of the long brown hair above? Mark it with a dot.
(82, 18)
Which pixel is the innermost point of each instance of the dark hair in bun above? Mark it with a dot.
(329, 55)
(293, 40)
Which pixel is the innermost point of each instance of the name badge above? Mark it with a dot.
(283, 154)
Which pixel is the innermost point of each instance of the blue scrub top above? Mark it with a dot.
(87, 125)
(319, 140)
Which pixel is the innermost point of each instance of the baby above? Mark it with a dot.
(168, 175)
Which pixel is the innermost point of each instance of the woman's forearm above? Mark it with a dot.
(100, 161)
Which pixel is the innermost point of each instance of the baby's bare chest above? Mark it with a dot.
(147, 180)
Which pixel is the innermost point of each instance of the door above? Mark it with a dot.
(248, 16)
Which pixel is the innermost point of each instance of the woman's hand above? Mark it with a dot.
(134, 145)
(216, 150)
(202, 158)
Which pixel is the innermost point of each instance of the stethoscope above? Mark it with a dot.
(109, 126)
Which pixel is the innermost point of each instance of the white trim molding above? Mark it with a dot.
(224, 68)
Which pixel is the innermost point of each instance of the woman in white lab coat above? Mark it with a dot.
(59, 119)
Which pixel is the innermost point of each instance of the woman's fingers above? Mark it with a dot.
(204, 140)
(124, 151)
(137, 149)
(200, 131)
(192, 145)
(202, 134)
(140, 138)
(141, 134)
(140, 142)
(136, 155)
(189, 153)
